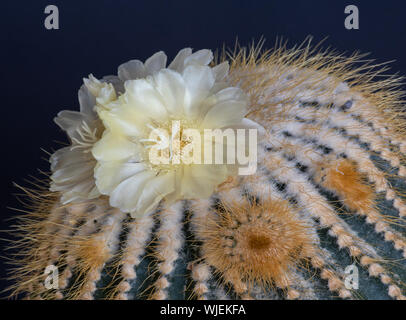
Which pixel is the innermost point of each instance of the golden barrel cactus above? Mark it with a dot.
(328, 191)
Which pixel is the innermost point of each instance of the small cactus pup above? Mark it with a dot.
(129, 212)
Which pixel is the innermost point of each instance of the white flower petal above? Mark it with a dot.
(201, 58)
(106, 94)
(198, 80)
(131, 70)
(226, 94)
(144, 97)
(225, 114)
(178, 62)
(72, 173)
(110, 174)
(69, 121)
(126, 195)
(221, 70)
(155, 63)
(199, 180)
(153, 192)
(94, 192)
(249, 124)
(125, 120)
(170, 85)
(218, 86)
(93, 84)
(68, 197)
(86, 101)
(66, 156)
(77, 192)
(103, 91)
(231, 93)
(73, 124)
(114, 148)
(117, 83)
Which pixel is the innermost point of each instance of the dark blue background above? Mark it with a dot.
(43, 69)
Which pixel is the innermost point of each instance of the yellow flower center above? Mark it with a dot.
(168, 144)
